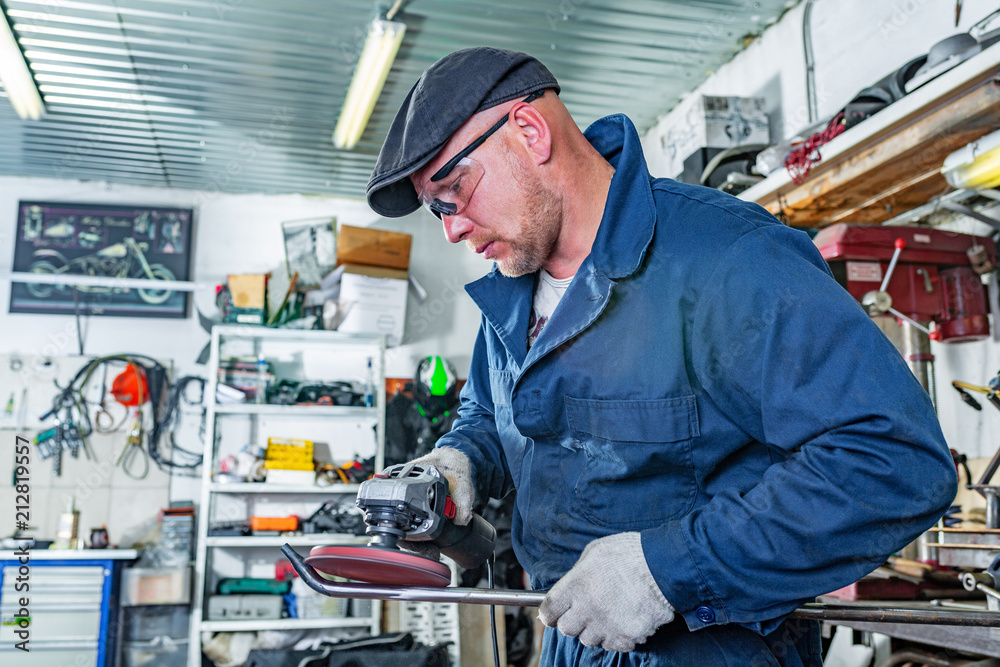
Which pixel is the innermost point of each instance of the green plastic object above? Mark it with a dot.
(246, 585)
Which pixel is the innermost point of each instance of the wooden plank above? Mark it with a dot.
(897, 173)
(476, 642)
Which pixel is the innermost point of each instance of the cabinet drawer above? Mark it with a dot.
(57, 577)
(53, 623)
(50, 597)
(50, 655)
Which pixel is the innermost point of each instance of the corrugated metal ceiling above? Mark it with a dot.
(243, 95)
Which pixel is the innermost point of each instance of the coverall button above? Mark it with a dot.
(705, 614)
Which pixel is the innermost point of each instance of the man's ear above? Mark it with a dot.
(533, 132)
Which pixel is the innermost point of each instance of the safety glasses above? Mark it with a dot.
(450, 188)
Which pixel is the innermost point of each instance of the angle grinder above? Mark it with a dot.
(407, 502)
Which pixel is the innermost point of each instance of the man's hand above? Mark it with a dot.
(609, 598)
(457, 469)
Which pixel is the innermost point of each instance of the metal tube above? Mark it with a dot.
(991, 467)
(917, 353)
(992, 495)
(515, 598)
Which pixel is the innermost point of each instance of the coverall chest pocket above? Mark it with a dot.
(636, 469)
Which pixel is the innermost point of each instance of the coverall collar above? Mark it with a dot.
(625, 232)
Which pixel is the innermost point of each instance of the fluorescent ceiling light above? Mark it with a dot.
(377, 56)
(16, 78)
(976, 166)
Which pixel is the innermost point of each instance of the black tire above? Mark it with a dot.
(41, 290)
(155, 297)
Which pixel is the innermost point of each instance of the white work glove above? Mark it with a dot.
(457, 469)
(609, 598)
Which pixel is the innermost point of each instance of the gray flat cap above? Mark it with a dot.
(447, 94)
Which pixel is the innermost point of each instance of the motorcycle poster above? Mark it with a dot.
(104, 241)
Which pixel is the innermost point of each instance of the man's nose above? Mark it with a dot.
(456, 227)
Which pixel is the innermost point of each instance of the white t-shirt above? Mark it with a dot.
(548, 292)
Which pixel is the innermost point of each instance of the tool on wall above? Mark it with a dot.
(919, 276)
(139, 383)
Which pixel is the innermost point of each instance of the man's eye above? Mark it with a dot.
(455, 187)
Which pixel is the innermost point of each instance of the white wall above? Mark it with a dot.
(855, 43)
(233, 234)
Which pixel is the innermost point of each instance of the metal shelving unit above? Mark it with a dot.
(354, 349)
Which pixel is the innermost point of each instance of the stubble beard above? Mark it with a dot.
(538, 225)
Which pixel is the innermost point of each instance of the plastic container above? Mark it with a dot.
(156, 586)
(155, 654)
(361, 608)
(311, 604)
(321, 606)
(245, 607)
(148, 623)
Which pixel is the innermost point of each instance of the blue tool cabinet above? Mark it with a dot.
(73, 605)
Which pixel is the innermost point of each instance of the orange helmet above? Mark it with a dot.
(130, 387)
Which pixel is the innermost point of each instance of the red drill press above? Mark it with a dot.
(919, 276)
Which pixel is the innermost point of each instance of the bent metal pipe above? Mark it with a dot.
(515, 598)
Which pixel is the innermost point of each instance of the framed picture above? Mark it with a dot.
(310, 249)
(104, 241)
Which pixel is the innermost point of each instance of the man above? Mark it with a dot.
(704, 430)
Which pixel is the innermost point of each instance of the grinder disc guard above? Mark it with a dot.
(378, 565)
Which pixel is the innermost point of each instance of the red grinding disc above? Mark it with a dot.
(375, 565)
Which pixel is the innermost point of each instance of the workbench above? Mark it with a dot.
(984, 641)
(73, 605)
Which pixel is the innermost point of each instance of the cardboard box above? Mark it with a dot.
(168, 585)
(248, 294)
(373, 300)
(373, 247)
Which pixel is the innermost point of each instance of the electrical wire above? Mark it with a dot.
(168, 424)
(395, 9)
(493, 610)
(70, 407)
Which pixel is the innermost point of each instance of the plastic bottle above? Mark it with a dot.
(370, 385)
(261, 393)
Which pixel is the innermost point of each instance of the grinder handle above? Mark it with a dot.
(471, 545)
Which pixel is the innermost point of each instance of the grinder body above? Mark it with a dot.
(410, 502)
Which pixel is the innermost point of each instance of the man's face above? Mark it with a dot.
(511, 218)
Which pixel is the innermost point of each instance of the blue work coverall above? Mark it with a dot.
(705, 382)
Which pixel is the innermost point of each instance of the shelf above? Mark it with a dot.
(296, 410)
(251, 332)
(279, 540)
(284, 624)
(891, 163)
(263, 487)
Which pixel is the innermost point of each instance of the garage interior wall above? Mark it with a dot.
(855, 43)
(233, 234)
